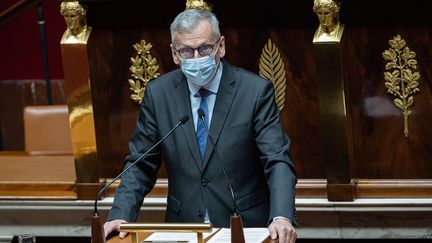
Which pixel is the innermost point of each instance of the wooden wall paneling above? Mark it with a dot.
(115, 113)
(11, 115)
(300, 116)
(374, 143)
(381, 150)
(403, 188)
(385, 163)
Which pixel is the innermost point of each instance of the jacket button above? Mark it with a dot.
(204, 182)
(200, 214)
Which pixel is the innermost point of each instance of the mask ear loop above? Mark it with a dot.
(214, 54)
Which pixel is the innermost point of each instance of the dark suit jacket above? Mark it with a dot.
(249, 138)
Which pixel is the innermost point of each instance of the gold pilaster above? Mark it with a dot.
(333, 113)
(77, 84)
(334, 125)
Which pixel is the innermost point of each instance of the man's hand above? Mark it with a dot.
(282, 229)
(114, 225)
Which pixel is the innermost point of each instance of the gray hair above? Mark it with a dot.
(189, 19)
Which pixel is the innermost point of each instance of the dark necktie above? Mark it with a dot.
(201, 127)
(202, 131)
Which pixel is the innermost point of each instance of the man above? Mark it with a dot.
(244, 125)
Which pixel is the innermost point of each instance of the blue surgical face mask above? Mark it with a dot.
(200, 71)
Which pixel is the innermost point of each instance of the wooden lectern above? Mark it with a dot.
(135, 228)
(140, 231)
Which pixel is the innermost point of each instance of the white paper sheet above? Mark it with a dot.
(252, 235)
(176, 236)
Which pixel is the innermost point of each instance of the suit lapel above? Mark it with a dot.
(184, 107)
(224, 99)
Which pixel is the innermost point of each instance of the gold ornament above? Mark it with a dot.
(272, 68)
(74, 15)
(401, 79)
(329, 29)
(198, 4)
(144, 68)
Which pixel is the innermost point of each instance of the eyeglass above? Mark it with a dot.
(203, 50)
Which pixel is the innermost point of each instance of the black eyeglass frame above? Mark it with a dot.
(199, 49)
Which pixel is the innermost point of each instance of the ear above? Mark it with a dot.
(221, 50)
(174, 55)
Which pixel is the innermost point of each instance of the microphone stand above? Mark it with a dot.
(97, 230)
(236, 223)
(98, 233)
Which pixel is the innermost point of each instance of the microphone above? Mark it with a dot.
(201, 115)
(98, 236)
(236, 224)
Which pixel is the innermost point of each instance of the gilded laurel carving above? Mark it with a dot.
(144, 68)
(271, 66)
(402, 80)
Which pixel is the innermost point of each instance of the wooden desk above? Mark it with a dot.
(35, 177)
(142, 236)
(21, 166)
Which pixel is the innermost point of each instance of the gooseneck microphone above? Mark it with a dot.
(201, 115)
(236, 224)
(96, 224)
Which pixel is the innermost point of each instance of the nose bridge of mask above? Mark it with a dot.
(198, 63)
